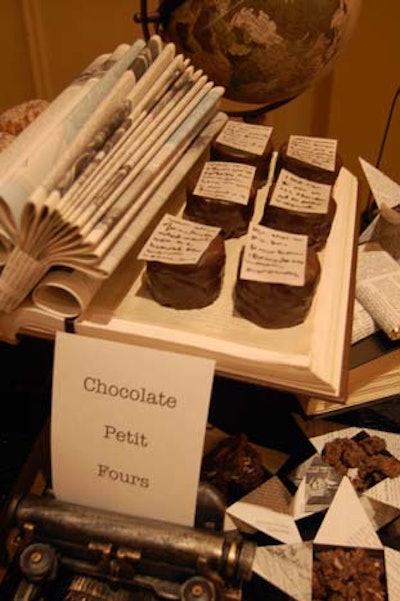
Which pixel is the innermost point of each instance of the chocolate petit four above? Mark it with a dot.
(184, 263)
(300, 206)
(234, 467)
(277, 278)
(364, 458)
(248, 143)
(347, 573)
(223, 196)
(314, 158)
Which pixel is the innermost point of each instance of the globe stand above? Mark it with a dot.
(254, 114)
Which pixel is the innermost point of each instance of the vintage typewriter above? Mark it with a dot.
(61, 551)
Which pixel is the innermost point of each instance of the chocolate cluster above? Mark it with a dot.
(233, 218)
(366, 454)
(348, 574)
(234, 467)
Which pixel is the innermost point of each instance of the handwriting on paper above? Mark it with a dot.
(320, 152)
(296, 193)
(250, 137)
(273, 256)
(223, 180)
(178, 241)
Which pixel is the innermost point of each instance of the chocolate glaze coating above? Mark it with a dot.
(316, 226)
(188, 286)
(233, 218)
(304, 169)
(223, 152)
(278, 305)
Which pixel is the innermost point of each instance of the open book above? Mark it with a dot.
(63, 295)
(94, 165)
(309, 358)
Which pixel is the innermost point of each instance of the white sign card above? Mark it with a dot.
(320, 152)
(296, 193)
(274, 256)
(178, 241)
(223, 180)
(128, 426)
(249, 137)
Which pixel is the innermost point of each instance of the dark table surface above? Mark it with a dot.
(268, 417)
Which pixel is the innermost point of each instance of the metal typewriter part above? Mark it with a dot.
(74, 553)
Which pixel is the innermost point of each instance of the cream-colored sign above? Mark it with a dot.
(128, 426)
(274, 256)
(223, 180)
(296, 193)
(249, 137)
(178, 241)
(320, 152)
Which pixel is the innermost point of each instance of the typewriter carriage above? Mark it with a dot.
(69, 552)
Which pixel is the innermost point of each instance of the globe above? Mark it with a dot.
(263, 52)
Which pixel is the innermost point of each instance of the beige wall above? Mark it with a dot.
(45, 43)
(364, 82)
(17, 81)
(352, 103)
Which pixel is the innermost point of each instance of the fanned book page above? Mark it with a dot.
(64, 294)
(108, 155)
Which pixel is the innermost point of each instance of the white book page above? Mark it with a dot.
(117, 441)
(378, 287)
(288, 567)
(363, 323)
